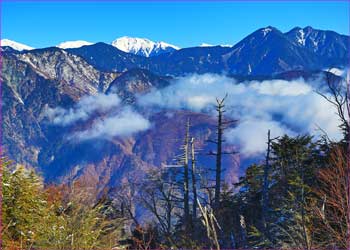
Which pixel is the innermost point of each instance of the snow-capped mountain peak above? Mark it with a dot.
(15, 45)
(138, 46)
(73, 44)
(142, 46)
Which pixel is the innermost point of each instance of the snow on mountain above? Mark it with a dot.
(15, 45)
(206, 45)
(266, 30)
(142, 46)
(328, 45)
(211, 45)
(301, 37)
(337, 71)
(73, 44)
(162, 47)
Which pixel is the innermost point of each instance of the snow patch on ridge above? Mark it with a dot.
(267, 30)
(301, 38)
(73, 44)
(211, 45)
(15, 45)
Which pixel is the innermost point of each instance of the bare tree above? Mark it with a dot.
(338, 96)
(211, 224)
(220, 127)
(126, 197)
(185, 161)
(220, 109)
(265, 195)
(160, 197)
(194, 181)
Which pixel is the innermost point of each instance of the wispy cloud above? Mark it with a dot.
(117, 120)
(86, 106)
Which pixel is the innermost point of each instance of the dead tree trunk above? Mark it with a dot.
(220, 127)
(186, 176)
(211, 225)
(194, 182)
(265, 191)
(220, 109)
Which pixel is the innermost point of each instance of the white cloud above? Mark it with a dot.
(85, 107)
(115, 120)
(125, 123)
(281, 88)
(285, 107)
(195, 92)
(251, 135)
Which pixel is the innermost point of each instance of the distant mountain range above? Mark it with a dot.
(264, 52)
(134, 45)
(34, 80)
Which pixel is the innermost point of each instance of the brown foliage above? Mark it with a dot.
(332, 210)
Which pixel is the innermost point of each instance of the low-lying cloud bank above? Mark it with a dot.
(285, 107)
(116, 120)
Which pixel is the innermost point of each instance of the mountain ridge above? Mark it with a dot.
(321, 49)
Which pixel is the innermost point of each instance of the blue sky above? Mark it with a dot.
(185, 24)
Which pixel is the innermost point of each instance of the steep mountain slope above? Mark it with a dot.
(329, 46)
(136, 81)
(75, 76)
(34, 81)
(190, 60)
(268, 51)
(25, 96)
